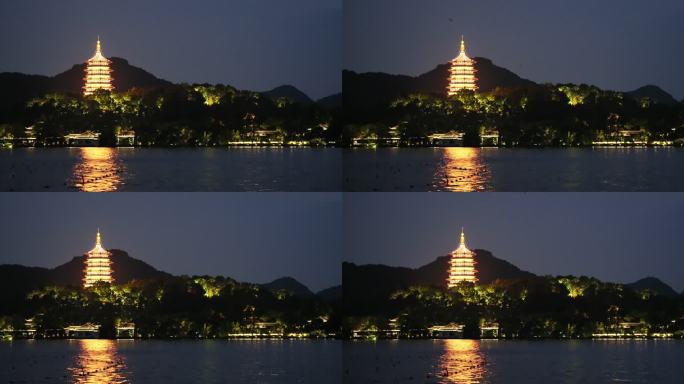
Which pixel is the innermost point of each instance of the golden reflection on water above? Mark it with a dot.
(462, 362)
(98, 362)
(98, 170)
(462, 170)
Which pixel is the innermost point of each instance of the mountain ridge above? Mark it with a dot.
(369, 286)
(18, 280)
(18, 88)
(366, 92)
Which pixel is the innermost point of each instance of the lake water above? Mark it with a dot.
(499, 361)
(137, 361)
(177, 169)
(514, 169)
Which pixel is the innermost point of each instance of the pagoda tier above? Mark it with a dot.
(98, 74)
(98, 266)
(461, 265)
(461, 73)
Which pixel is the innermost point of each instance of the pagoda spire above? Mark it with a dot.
(462, 265)
(461, 72)
(98, 72)
(98, 265)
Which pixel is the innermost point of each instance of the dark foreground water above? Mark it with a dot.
(514, 169)
(499, 361)
(136, 361)
(177, 169)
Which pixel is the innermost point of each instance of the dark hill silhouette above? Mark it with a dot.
(289, 284)
(654, 285)
(289, 92)
(17, 88)
(126, 269)
(126, 76)
(17, 280)
(364, 92)
(654, 93)
(369, 286)
(330, 294)
(489, 77)
(332, 101)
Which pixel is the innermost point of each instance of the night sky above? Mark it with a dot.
(614, 44)
(254, 237)
(255, 44)
(619, 237)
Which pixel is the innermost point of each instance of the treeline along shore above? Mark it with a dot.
(383, 109)
(507, 303)
(169, 116)
(146, 303)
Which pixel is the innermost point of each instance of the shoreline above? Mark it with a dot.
(170, 338)
(334, 146)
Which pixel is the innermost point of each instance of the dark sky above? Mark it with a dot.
(614, 44)
(255, 237)
(618, 237)
(250, 44)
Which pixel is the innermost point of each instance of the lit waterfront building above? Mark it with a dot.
(98, 266)
(461, 264)
(461, 73)
(98, 74)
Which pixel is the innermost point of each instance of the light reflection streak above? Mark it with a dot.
(462, 170)
(99, 170)
(462, 362)
(98, 362)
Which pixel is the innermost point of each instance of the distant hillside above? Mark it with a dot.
(654, 285)
(489, 77)
(18, 88)
(289, 92)
(289, 284)
(367, 286)
(126, 76)
(332, 101)
(17, 280)
(126, 269)
(364, 92)
(330, 294)
(654, 93)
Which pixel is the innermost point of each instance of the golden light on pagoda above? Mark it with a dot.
(461, 73)
(461, 264)
(98, 74)
(98, 266)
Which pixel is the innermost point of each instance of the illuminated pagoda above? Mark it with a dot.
(98, 74)
(461, 264)
(98, 266)
(461, 73)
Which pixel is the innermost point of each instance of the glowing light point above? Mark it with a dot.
(98, 265)
(461, 72)
(98, 74)
(461, 264)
